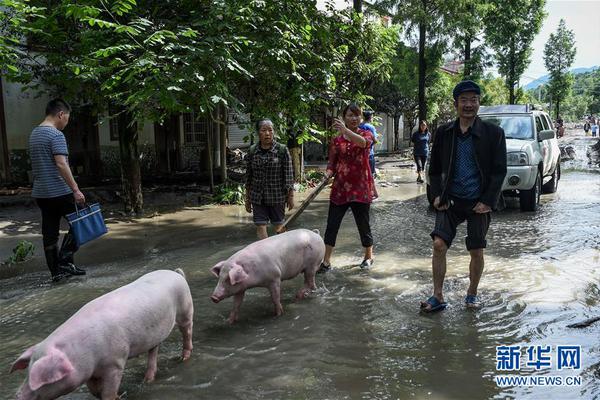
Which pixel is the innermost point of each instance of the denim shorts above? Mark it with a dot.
(448, 220)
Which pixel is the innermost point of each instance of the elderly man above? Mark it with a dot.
(269, 180)
(466, 172)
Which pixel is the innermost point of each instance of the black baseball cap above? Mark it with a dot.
(465, 86)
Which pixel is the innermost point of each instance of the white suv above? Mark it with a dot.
(532, 152)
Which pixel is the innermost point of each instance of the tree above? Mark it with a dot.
(510, 27)
(559, 54)
(149, 60)
(429, 19)
(399, 96)
(468, 21)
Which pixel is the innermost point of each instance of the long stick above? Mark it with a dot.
(305, 203)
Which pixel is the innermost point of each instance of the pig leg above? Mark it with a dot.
(95, 386)
(276, 297)
(309, 284)
(152, 364)
(111, 380)
(237, 302)
(185, 327)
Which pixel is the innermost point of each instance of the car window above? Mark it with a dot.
(538, 124)
(515, 126)
(545, 123)
(549, 121)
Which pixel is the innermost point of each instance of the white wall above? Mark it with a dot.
(146, 136)
(23, 112)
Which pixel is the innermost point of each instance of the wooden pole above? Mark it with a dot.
(305, 203)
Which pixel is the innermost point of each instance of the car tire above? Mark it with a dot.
(552, 185)
(529, 199)
(429, 195)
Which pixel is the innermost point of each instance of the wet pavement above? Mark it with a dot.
(360, 335)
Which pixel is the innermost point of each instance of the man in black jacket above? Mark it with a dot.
(466, 172)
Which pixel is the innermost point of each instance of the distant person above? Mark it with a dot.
(367, 125)
(54, 188)
(420, 140)
(586, 127)
(560, 128)
(269, 180)
(466, 172)
(594, 130)
(353, 187)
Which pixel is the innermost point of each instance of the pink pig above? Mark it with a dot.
(268, 262)
(93, 345)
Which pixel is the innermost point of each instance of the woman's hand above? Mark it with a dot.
(339, 126)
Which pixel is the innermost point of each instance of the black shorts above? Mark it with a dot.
(261, 214)
(477, 224)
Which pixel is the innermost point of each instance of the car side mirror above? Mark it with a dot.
(545, 135)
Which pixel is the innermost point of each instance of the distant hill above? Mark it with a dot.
(542, 80)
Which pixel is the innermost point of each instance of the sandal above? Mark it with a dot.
(435, 304)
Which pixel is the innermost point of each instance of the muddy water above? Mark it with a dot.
(360, 335)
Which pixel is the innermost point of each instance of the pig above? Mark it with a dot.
(93, 345)
(266, 263)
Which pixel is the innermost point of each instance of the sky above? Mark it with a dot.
(581, 16)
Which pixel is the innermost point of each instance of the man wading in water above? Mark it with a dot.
(468, 166)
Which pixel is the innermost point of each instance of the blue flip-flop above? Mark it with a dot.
(436, 305)
(472, 301)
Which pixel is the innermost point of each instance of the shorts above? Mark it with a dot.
(477, 224)
(261, 214)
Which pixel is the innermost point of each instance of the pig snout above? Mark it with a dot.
(215, 298)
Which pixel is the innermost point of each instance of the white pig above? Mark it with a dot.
(93, 345)
(268, 262)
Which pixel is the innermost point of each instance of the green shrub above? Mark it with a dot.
(229, 193)
(21, 252)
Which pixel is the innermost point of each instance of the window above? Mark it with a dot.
(515, 126)
(114, 128)
(538, 124)
(195, 129)
(548, 123)
(113, 123)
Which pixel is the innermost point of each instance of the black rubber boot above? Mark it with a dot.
(51, 253)
(66, 262)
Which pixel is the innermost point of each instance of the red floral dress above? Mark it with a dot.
(350, 163)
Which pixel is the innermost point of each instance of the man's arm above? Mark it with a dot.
(65, 171)
(435, 165)
(498, 172)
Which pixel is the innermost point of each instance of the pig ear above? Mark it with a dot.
(216, 270)
(23, 361)
(49, 369)
(237, 274)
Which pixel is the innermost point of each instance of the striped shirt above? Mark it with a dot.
(46, 142)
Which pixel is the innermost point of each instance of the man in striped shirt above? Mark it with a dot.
(54, 187)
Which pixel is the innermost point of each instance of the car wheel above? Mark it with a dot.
(529, 199)
(552, 185)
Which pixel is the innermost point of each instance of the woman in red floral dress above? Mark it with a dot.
(353, 186)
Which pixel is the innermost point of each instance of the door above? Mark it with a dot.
(168, 144)
(83, 142)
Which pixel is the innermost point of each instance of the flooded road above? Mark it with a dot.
(360, 336)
